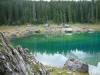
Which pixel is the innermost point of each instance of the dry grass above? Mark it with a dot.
(13, 29)
(89, 26)
(64, 72)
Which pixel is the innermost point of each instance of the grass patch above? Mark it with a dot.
(64, 72)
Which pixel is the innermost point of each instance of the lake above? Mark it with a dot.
(55, 49)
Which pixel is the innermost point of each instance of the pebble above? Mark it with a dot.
(59, 72)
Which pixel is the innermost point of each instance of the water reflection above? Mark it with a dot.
(59, 59)
(55, 50)
(53, 60)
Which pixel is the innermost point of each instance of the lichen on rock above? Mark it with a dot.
(18, 61)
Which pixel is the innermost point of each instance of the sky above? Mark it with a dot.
(60, 0)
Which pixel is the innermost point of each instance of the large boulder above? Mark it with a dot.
(76, 65)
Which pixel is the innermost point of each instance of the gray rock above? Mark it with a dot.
(59, 73)
(18, 61)
(13, 36)
(28, 25)
(91, 30)
(84, 27)
(46, 25)
(79, 30)
(60, 26)
(76, 65)
(37, 31)
(51, 70)
(66, 26)
(0, 44)
(69, 73)
(68, 30)
(29, 33)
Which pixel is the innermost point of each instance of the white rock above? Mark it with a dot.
(67, 26)
(46, 25)
(69, 30)
(69, 72)
(94, 70)
(59, 72)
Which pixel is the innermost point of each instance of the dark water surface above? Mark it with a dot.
(54, 49)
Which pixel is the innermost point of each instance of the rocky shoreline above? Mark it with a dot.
(30, 30)
(18, 61)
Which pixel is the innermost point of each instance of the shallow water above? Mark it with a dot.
(54, 49)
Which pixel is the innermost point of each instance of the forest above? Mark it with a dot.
(20, 12)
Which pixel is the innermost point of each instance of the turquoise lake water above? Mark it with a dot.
(55, 49)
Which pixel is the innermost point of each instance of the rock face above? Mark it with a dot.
(18, 61)
(75, 65)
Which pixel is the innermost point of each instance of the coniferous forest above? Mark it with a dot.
(18, 12)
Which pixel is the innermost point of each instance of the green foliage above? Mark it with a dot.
(17, 12)
(0, 39)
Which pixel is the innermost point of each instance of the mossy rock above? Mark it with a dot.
(0, 39)
(36, 68)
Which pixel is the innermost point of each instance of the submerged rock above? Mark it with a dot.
(75, 65)
(18, 61)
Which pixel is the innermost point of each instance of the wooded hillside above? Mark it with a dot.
(18, 12)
